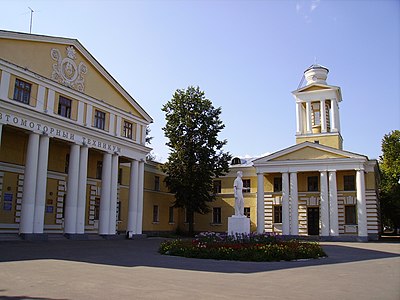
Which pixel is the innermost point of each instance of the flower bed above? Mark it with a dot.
(253, 247)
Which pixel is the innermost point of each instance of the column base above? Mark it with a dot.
(238, 225)
(76, 236)
(133, 236)
(34, 236)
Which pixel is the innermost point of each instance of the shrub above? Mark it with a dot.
(252, 247)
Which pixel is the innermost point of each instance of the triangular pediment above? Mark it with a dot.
(68, 63)
(307, 152)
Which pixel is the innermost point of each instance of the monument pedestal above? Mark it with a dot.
(238, 225)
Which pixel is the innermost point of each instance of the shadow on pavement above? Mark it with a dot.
(143, 253)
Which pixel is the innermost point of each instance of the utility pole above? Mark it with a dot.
(30, 27)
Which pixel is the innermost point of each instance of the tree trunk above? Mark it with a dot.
(191, 221)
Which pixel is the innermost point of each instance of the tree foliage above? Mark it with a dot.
(390, 177)
(196, 157)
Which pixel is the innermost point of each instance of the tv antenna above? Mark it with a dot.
(30, 26)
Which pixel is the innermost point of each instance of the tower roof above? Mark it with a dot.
(316, 66)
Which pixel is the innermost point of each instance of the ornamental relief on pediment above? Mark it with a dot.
(66, 70)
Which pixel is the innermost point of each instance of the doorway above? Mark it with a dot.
(313, 220)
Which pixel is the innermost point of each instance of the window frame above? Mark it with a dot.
(128, 129)
(157, 183)
(22, 91)
(247, 211)
(312, 186)
(277, 213)
(171, 219)
(277, 184)
(156, 214)
(99, 119)
(64, 107)
(217, 186)
(350, 217)
(349, 185)
(217, 215)
(246, 185)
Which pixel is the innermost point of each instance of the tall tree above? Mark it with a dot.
(196, 155)
(390, 179)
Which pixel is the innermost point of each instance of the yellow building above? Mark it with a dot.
(72, 158)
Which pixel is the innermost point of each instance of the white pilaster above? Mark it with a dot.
(81, 112)
(294, 203)
(323, 116)
(138, 130)
(111, 126)
(133, 197)
(113, 195)
(118, 126)
(143, 135)
(140, 198)
(104, 218)
(299, 118)
(260, 203)
(81, 203)
(1, 132)
(71, 201)
(4, 85)
(308, 117)
(89, 111)
(50, 102)
(285, 204)
(40, 98)
(333, 205)
(324, 204)
(335, 116)
(361, 204)
(29, 187)
(41, 184)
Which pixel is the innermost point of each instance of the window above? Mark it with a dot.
(99, 119)
(128, 129)
(236, 161)
(277, 213)
(171, 215)
(22, 91)
(246, 185)
(247, 212)
(312, 183)
(97, 208)
(277, 184)
(216, 215)
(120, 175)
(217, 186)
(156, 183)
(350, 215)
(349, 183)
(155, 214)
(64, 107)
(99, 169)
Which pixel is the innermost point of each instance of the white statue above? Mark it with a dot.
(238, 192)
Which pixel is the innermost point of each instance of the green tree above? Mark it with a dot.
(390, 179)
(196, 155)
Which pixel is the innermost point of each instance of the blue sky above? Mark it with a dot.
(248, 56)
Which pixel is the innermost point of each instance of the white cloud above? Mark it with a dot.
(314, 4)
(298, 7)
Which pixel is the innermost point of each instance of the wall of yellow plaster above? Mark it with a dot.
(34, 90)
(10, 180)
(334, 141)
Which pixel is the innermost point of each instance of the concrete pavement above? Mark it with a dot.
(132, 269)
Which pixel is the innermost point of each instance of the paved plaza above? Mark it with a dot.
(132, 269)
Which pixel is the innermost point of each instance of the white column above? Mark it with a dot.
(104, 221)
(285, 204)
(294, 203)
(113, 195)
(333, 205)
(133, 197)
(140, 198)
(323, 115)
(71, 201)
(308, 117)
(299, 119)
(335, 116)
(260, 203)
(4, 85)
(29, 187)
(324, 206)
(81, 203)
(361, 204)
(143, 135)
(41, 184)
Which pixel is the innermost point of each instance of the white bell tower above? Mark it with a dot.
(317, 109)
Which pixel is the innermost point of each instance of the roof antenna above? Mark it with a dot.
(30, 27)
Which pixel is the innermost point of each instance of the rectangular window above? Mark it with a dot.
(171, 215)
(64, 107)
(350, 215)
(312, 183)
(22, 91)
(156, 183)
(155, 214)
(120, 175)
(216, 215)
(128, 129)
(277, 184)
(99, 169)
(247, 212)
(217, 186)
(277, 213)
(246, 185)
(99, 119)
(349, 183)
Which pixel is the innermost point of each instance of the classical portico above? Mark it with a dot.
(84, 125)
